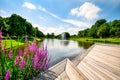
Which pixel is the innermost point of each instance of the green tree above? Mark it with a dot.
(114, 28)
(29, 29)
(16, 25)
(48, 35)
(93, 31)
(67, 35)
(81, 33)
(52, 35)
(38, 33)
(103, 31)
(94, 28)
(98, 23)
(3, 25)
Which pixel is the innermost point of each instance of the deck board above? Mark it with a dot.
(102, 62)
(64, 76)
(72, 72)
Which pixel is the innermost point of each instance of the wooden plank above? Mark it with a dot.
(72, 73)
(90, 75)
(109, 68)
(64, 76)
(100, 71)
(106, 58)
(102, 62)
(108, 52)
(59, 68)
(58, 78)
(83, 77)
(112, 48)
(79, 58)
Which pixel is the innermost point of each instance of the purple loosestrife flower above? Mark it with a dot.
(0, 39)
(26, 50)
(40, 59)
(19, 52)
(10, 54)
(46, 66)
(22, 64)
(7, 75)
(16, 60)
(33, 46)
(26, 39)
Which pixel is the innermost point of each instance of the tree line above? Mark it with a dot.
(102, 29)
(15, 26)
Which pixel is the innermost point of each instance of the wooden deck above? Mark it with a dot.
(99, 62)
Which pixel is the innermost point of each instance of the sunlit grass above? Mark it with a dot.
(104, 40)
(15, 42)
(8, 43)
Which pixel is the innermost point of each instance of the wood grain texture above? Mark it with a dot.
(101, 63)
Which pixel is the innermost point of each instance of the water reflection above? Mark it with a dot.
(64, 42)
(61, 49)
(85, 45)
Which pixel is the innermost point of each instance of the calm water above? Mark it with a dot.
(61, 49)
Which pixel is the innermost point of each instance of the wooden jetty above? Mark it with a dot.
(99, 62)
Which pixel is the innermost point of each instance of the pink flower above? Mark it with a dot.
(26, 39)
(10, 54)
(40, 59)
(16, 60)
(26, 50)
(19, 52)
(33, 46)
(22, 64)
(0, 38)
(7, 75)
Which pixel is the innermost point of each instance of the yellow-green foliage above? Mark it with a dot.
(8, 43)
(38, 39)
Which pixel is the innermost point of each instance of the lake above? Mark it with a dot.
(61, 49)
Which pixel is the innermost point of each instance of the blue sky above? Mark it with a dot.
(59, 16)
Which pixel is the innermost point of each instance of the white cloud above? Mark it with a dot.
(57, 30)
(70, 21)
(42, 9)
(52, 29)
(87, 10)
(74, 11)
(3, 13)
(80, 24)
(29, 5)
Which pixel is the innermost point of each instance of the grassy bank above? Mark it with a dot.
(103, 40)
(15, 42)
(8, 43)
